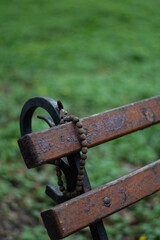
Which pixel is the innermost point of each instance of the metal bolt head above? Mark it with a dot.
(63, 113)
(107, 202)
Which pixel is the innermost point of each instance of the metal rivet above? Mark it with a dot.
(107, 201)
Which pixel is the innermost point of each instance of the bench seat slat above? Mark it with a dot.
(88, 208)
(44, 146)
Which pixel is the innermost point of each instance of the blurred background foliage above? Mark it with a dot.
(94, 56)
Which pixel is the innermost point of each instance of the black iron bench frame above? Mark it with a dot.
(61, 141)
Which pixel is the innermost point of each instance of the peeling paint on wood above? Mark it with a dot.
(89, 207)
(47, 145)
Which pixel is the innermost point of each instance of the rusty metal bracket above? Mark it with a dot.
(69, 164)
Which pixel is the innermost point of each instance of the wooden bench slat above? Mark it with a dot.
(88, 208)
(44, 146)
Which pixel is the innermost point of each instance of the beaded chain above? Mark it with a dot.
(84, 149)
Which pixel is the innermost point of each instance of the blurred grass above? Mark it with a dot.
(93, 56)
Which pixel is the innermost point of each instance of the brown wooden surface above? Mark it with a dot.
(41, 147)
(88, 208)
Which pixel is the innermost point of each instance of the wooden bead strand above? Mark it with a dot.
(82, 137)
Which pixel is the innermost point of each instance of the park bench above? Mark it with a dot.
(91, 206)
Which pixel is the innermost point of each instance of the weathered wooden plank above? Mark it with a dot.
(90, 207)
(41, 147)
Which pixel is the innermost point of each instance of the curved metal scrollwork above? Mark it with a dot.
(31, 105)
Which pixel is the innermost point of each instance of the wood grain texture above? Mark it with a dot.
(89, 208)
(44, 146)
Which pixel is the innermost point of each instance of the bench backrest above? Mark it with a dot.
(46, 146)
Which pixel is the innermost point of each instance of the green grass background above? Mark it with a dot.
(94, 56)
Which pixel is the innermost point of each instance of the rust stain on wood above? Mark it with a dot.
(88, 208)
(41, 147)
